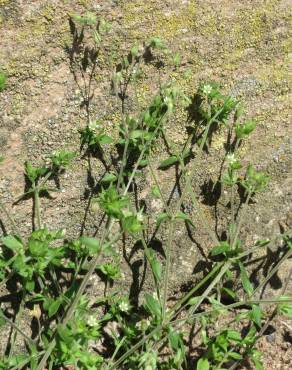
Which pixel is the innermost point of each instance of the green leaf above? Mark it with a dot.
(175, 339)
(52, 306)
(108, 177)
(89, 19)
(162, 217)
(249, 339)
(156, 42)
(193, 301)
(203, 364)
(132, 224)
(235, 355)
(152, 305)
(169, 162)
(234, 335)
(33, 173)
(155, 264)
(136, 134)
(182, 216)
(13, 243)
(155, 192)
(37, 248)
(134, 51)
(245, 280)
(244, 129)
(62, 158)
(223, 247)
(156, 268)
(256, 359)
(29, 285)
(256, 315)
(104, 139)
(228, 292)
(91, 243)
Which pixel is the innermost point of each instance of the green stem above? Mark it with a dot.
(210, 287)
(37, 208)
(273, 271)
(180, 304)
(241, 220)
(167, 267)
(158, 185)
(148, 258)
(228, 307)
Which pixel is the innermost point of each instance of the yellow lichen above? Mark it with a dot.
(155, 21)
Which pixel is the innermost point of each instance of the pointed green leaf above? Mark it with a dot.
(152, 305)
(256, 315)
(168, 162)
(223, 247)
(245, 280)
(162, 217)
(182, 216)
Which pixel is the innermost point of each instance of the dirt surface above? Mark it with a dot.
(242, 44)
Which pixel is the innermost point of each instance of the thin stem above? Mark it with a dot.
(157, 184)
(147, 256)
(167, 266)
(228, 307)
(269, 320)
(273, 271)
(241, 220)
(210, 287)
(37, 207)
(180, 304)
(197, 159)
(10, 218)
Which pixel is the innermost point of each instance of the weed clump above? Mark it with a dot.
(114, 332)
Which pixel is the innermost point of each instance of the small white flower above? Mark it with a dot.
(93, 125)
(92, 321)
(124, 306)
(231, 158)
(207, 89)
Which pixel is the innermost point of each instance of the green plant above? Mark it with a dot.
(3, 79)
(53, 271)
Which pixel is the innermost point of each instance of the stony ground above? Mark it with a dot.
(242, 44)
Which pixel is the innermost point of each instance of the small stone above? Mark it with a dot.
(270, 338)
